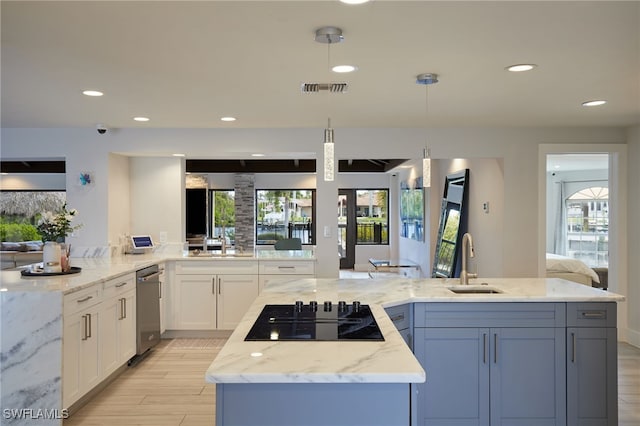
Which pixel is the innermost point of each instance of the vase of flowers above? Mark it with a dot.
(53, 227)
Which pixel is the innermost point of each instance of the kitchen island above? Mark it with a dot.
(262, 382)
(44, 319)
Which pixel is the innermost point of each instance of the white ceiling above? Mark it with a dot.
(186, 64)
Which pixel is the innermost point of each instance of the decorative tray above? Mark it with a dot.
(41, 273)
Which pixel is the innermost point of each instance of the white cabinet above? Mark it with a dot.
(212, 295)
(118, 323)
(285, 270)
(99, 334)
(81, 344)
(163, 298)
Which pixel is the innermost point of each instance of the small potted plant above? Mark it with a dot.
(53, 227)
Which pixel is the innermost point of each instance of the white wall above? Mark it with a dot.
(633, 204)
(119, 204)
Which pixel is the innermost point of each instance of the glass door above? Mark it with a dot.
(347, 228)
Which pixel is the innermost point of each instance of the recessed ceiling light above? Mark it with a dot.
(141, 118)
(595, 102)
(228, 119)
(343, 68)
(257, 154)
(354, 1)
(521, 67)
(178, 155)
(92, 93)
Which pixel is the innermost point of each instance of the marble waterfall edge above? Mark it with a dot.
(30, 358)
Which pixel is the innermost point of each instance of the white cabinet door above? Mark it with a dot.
(195, 302)
(235, 294)
(127, 327)
(80, 365)
(109, 359)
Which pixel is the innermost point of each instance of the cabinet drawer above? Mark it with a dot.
(287, 268)
(400, 316)
(75, 302)
(592, 314)
(490, 314)
(119, 285)
(238, 266)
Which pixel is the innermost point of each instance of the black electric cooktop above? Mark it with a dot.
(313, 321)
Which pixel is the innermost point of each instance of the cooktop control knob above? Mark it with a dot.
(342, 306)
(313, 306)
(327, 306)
(356, 306)
(299, 305)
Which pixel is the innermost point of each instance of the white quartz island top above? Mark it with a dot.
(390, 361)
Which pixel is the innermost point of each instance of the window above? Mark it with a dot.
(20, 211)
(284, 214)
(588, 226)
(223, 214)
(372, 218)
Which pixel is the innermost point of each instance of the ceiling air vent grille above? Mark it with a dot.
(331, 87)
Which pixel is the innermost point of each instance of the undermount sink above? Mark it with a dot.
(465, 289)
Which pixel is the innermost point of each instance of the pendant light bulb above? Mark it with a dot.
(329, 162)
(426, 169)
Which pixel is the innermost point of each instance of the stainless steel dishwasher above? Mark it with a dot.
(147, 308)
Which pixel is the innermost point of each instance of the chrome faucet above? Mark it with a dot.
(467, 241)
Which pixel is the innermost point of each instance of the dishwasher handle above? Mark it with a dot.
(149, 277)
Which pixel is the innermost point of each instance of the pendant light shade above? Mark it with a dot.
(329, 155)
(426, 169)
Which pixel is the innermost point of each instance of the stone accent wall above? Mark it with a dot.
(245, 210)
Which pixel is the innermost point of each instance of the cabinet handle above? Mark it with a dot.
(396, 318)
(84, 328)
(594, 314)
(484, 348)
(121, 310)
(573, 349)
(213, 286)
(85, 299)
(286, 267)
(124, 309)
(219, 285)
(160, 290)
(89, 328)
(121, 284)
(495, 348)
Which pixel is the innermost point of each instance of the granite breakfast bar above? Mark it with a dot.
(358, 383)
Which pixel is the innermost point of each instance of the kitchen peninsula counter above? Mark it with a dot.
(391, 360)
(273, 376)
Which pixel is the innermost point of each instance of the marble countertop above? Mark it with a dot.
(390, 361)
(96, 270)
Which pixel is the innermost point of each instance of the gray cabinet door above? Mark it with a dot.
(592, 377)
(527, 376)
(456, 391)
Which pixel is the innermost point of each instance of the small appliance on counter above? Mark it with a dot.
(326, 322)
(139, 244)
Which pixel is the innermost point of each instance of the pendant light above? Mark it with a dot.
(329, 35)
(426, 79)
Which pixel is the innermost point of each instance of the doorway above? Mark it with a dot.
(347, 228)
(578, 207)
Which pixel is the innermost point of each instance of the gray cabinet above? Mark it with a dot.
(592, 368)
(491, 364)
(401, 317)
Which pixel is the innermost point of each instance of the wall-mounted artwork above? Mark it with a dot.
(412, 210)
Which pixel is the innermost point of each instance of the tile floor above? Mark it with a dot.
(168, 389)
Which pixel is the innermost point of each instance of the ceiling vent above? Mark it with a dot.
(318, 87)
